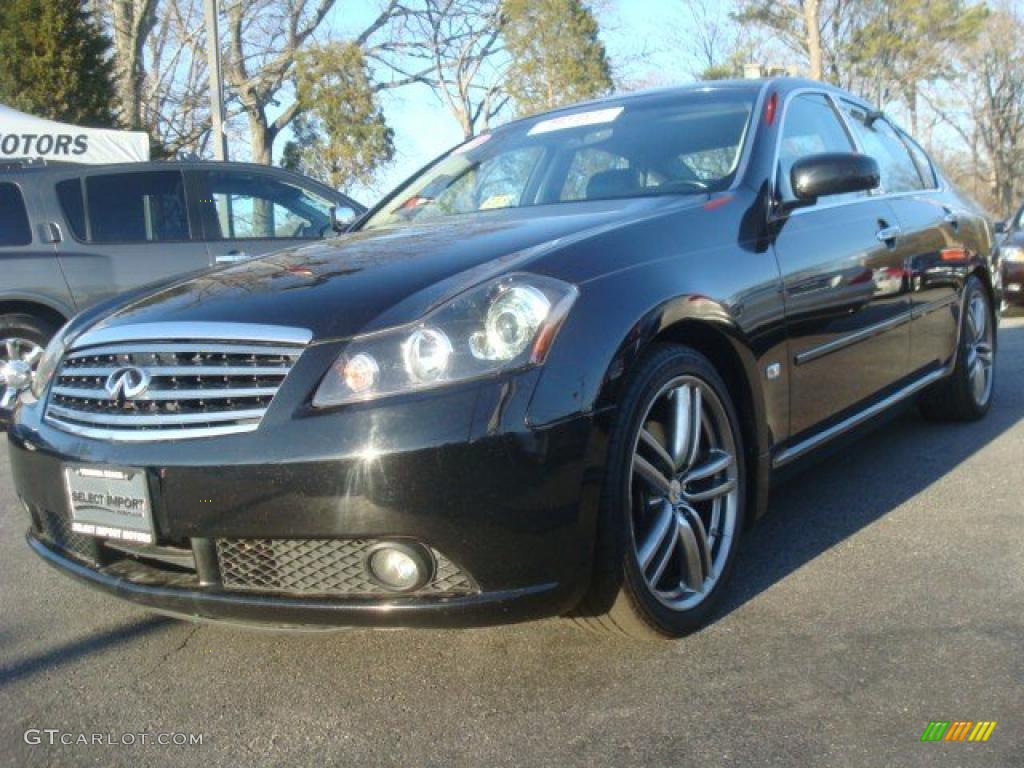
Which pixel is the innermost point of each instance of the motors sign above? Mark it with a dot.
(27, 137)
(61, 145)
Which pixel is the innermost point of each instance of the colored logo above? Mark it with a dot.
(958, 730)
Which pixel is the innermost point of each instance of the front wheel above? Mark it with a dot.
(22, 340)
(673, 501)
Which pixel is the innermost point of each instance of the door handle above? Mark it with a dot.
(232, 257)
(888, 234)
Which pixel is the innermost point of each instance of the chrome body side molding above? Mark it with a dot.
(820, 438)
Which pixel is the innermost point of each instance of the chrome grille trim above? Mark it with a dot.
(171, 394)
(150, 421)
(193, 331)
(193, 389)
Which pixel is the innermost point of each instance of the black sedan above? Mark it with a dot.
(1012, 253)
(554, 373)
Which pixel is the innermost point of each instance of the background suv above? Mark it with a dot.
(73, 235)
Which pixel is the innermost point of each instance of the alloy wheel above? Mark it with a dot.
(15, 354)
(684, 492)
(980, 353)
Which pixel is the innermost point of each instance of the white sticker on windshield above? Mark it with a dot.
(472, 144)
(597, 117)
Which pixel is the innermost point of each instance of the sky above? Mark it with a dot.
(638, 35)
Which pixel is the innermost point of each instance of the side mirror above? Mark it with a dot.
(832, 173)
(336, 226)
(1000, 227)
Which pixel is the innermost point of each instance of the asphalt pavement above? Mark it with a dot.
(885, 589)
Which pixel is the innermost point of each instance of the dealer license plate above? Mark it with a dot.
(110, 503)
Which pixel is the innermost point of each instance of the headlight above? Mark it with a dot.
(1013, 253)
(48, 362)
(503, 325)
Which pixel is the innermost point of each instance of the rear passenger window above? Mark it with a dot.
(69, 195)
(14, 226)
(137, 207)
(882, 142)
(924, 165)
(812, 127)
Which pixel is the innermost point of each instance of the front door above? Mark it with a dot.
(249, 212)
(846, 289)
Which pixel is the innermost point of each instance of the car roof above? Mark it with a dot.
(23, 168)
(781, 85)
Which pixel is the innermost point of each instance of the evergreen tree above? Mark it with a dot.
(340, 135)
(555, 53)
(55, 62)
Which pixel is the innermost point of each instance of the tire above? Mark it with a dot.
(659, 601)
(959, 397)
(22, 336)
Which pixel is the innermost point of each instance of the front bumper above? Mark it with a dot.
(144, 586)
(514, 508)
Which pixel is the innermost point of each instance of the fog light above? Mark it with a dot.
(399, 567)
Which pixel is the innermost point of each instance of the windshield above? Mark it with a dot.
(672, 144)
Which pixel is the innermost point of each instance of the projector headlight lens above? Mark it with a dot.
(505, 324)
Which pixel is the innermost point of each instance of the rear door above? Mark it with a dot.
(930, 238)
(247, 212)
(125, 229)
(847, 302)
(28, 258)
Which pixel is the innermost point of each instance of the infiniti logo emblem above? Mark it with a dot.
(127, 383)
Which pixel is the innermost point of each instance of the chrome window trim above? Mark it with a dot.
(242, 333)
(856, 142)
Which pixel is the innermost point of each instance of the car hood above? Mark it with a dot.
(379, 278)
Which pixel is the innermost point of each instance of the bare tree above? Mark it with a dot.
(130, 22)
(176, 103)
(986, 109)
(454, 47)
(264, 38)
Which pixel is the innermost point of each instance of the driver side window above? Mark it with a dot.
(811, 127)
(253, 206)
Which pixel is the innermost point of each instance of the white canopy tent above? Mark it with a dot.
(24, 136)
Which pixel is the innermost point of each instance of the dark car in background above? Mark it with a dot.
(74, 235)
(556, 372)
(1012, 265)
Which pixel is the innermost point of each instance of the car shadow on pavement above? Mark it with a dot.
(849, 489)
(86, 646)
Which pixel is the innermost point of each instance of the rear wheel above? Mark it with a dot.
(22, 340)
(673, 500)
(966, 394)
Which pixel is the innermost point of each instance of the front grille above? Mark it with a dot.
(319, 566)
(194, 389)
(55, 527)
